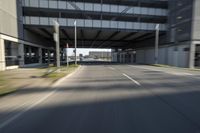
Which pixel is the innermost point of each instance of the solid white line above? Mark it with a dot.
(5, 123)
(136, 82)
(26, 109)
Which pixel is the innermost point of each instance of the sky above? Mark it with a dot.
(85, 51)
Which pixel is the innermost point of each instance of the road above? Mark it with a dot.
(111, 99)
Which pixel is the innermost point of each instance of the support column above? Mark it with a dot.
(49, 57)
(192, 55)
(21, 55)
(40, 55)
(124, 57)
(2, 55)
(132, 58)
(120, 57)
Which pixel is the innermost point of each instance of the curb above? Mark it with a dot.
(65, 77)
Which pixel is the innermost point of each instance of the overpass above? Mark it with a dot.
(127, 27)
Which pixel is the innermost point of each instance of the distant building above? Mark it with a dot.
(99, 54)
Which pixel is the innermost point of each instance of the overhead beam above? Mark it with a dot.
(135, 39)
(67, 36)
(138, 38)
(46, 32)
(144, 37)
(82, 36)
(38, 33)
(95, 38)
(124, 38)
(109, 38)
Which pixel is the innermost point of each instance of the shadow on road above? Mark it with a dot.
(125, 114)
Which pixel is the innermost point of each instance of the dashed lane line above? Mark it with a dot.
(136, 82)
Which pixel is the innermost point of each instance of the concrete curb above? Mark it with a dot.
(65, 77)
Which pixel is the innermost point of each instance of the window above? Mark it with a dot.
(11, 53)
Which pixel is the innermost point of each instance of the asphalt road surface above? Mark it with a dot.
(110, 99)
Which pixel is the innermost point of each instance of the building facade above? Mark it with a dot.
(128, 27)
(180, 46)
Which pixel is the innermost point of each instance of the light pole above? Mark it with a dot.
(67, 46)
(57, 40)
(157, 43)
(75, 40)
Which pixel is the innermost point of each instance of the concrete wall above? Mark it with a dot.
(169, 55)
(2, 55)
(140, 56)
(9, 20)
(35, 38)
(196, 22)
(114, 57)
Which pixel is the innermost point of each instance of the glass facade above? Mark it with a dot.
(11, 53)
(31, 54)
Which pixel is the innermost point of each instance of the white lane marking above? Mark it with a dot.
(26, 109)
(111, 68)
(136, 82)
(145, 68)
(175, 73)
(5, 123)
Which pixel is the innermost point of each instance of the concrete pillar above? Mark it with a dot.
(40, 55)
(49, 57)
(121, 58)
(192, 56)
(21, 55)
(2, 55)
(132, 58)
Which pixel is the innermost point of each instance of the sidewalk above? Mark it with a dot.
(13, 80)
(30, 85)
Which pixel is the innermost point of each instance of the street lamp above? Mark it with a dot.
(75, 40)
(67, 46)
(57, 40)
(157, 43)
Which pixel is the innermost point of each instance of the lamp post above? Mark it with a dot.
(67, 46)
(157, 43)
